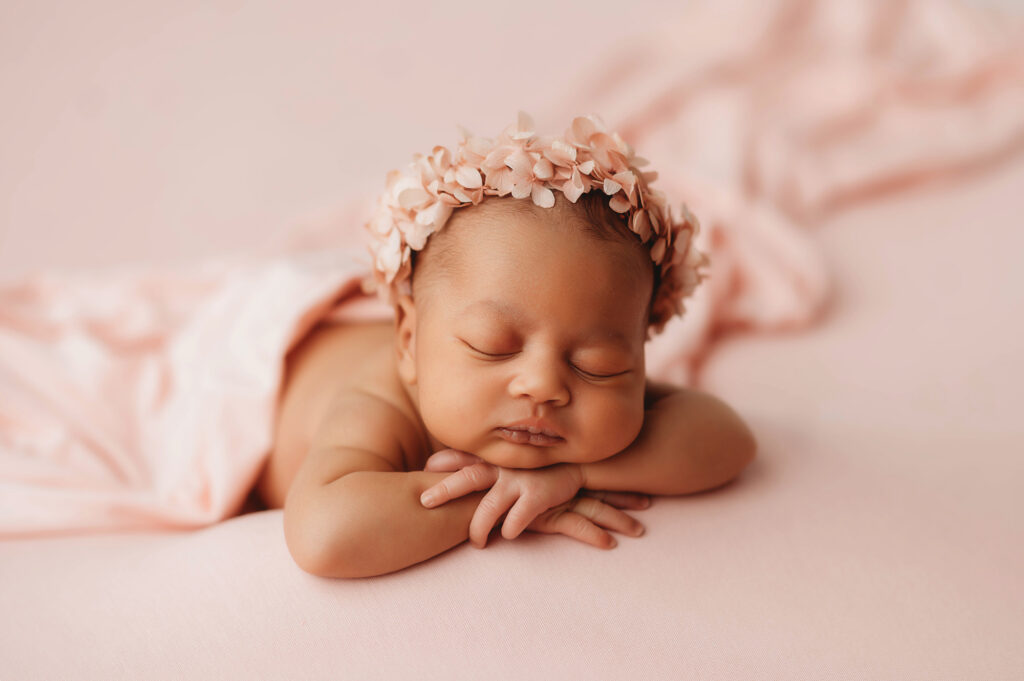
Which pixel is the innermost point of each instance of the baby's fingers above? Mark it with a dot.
(473, 478)
(630, 500)
(578, 527)
(587, 514)
(519, 517)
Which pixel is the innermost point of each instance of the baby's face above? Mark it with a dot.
(537, 321)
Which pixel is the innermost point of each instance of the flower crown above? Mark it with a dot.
(419, 201)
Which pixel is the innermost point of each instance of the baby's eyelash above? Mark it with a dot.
(585, 373)
(598, 376)
(488, 354)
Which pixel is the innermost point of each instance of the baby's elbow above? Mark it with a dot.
(747, 446)
(314, 544)
(307, 554)
(740, 451)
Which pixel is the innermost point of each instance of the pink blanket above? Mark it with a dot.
(136, 400)
(144, 399)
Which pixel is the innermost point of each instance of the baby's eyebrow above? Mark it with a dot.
(503, 308)
(512, 312)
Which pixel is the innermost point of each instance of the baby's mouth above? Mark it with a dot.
(523, 436)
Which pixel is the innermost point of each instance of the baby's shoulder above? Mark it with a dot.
(340, 381)
(370, 419)
(363, 397)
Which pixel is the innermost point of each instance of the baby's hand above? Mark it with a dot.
(524, 494)
(583, 517)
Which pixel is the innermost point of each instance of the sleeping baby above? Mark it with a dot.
(526, 274)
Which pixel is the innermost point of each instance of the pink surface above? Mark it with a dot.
(878, 534)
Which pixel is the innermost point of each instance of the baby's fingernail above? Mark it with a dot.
(427, 499)
(638, 530)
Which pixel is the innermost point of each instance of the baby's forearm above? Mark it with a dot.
(690, 441)
(372, 523)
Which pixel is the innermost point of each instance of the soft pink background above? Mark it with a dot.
(879, 534)
(164, 131)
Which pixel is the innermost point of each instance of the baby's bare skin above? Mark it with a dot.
(530, 322)
(333, 360)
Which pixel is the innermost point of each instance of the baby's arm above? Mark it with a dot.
(690, 441)
(353, 510)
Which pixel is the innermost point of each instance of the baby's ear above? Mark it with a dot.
(405, 338)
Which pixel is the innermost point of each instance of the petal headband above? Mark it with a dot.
(418, 202)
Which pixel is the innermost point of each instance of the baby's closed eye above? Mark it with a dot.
(590, 367)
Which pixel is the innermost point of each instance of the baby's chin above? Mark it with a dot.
(509, 454)
(500, 452)
(512, 455)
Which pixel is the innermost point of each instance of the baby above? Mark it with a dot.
(526, 275)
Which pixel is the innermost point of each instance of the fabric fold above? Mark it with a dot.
(152, 405)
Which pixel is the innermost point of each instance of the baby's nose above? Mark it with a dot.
(542, 382)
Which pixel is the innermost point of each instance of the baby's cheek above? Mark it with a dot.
(446, 408)
(620, 422)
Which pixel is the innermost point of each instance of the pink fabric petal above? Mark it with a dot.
(502, 180)
(655, 221)
(524, 127)
(622, 145)
(627, 179)
(619, 203)
(658, 250)
(441, 158)
(542, 196)
(573, 187)
(522, 187)
(475, 150)
(641, 225)
(682, 244)
(496, 157)
(582, 129)
(543, 169)
(560, 153)
(468, 177)
(519, 161)
(413, 197)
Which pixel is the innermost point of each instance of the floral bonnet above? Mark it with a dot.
(418, 202)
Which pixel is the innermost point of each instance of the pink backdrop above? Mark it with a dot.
(877, 536)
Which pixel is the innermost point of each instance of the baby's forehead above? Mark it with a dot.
(498, 239)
